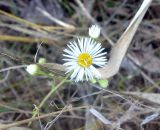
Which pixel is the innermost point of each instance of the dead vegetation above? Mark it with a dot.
(130, 102)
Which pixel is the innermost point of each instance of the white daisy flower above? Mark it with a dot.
(82, 56)
(94, 31)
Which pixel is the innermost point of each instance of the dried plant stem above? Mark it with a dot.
(54, 88)
(38, 28)
(20, 20)
(59, 22)
(26, 39)
(5, 126)
(119, 50)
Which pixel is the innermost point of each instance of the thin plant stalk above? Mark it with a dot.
(54, 88)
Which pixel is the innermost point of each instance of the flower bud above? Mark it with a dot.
(32, 69)
(42, 61)
(94, 31)
(103, 83)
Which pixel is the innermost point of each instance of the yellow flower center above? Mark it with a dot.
(84, 60)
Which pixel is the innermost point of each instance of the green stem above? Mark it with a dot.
(54, 88)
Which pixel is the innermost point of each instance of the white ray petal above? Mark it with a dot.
(89, 73)
(80, 43)
(80, 75)
(68, 52)
(69, 69)
(95, 49)
(91, 46)
(100, 55)
(73, 48)
(72, 63)
(69, 60)
(99, 60)
(87, 44)
(96, 73)
(69, 56)
(100, 64)
(75, 72)
(98, 52)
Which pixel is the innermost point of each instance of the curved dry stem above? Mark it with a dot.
(120, 48)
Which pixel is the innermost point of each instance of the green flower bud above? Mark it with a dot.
(93, 81)
(42, 61)
(103, 83)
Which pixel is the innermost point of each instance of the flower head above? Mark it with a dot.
(94, 31)
(82, 56)
(32, 69)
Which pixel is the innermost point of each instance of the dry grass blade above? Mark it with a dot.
(100, 116)
(119, 50)
(150, 118)
(5, 126)
(61, 23)
(37, 27)
(25, 39)
(152, 97)
(19, 128)
(20, 20)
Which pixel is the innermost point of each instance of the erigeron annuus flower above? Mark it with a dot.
(82, 56)
(94, 31)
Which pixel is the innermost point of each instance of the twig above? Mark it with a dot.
(61, 23)
(55, 87)
(35, 57)
(142, 73)
(5, 126)
(49, 124)
(12, 68)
